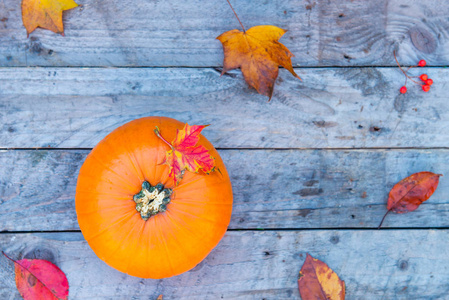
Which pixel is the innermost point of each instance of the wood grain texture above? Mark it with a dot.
(182, 33)
(391, 264)
(297, 187)
(272, 188)
(331, 108)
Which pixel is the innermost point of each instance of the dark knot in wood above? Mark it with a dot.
(423, 40)
(334, 239)
(40, 253)
(403, 265)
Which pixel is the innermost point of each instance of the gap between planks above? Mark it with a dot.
(217, 68)
(267, 229)
(251, 149)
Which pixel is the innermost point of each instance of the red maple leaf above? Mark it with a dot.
(185, 154)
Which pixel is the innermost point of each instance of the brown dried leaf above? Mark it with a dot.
(318, 282)
(408, 194)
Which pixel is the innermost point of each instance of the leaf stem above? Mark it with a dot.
(405, 73)
(236, 16)
(8, 257)
(383, 219)
(158, 133)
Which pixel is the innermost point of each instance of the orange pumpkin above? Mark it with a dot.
(169, 242)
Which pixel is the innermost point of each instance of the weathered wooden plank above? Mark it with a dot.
(332, 108)
(393, 264)
(272, 188)
(182, 33)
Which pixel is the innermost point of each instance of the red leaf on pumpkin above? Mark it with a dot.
(318, 282)
(40, 279)
(408, 194)
(185, 154)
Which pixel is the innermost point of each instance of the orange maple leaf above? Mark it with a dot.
(184, 154)
(258, 54)
(46, 14)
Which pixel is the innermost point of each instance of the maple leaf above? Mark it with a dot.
(40, 279)
(408, 194)
(46, 14)
(258, 54)
(184, 154)
(318, 282)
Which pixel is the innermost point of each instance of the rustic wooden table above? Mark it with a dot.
(311, 170)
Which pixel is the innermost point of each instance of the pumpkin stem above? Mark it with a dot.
(152, 199)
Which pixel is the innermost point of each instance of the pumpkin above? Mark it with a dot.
(193, 215)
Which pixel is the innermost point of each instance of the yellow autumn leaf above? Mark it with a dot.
(45, 14)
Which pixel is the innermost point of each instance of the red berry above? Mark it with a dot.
(422, 63)
(429, 81)
(403, 90)
(423, 77)
(426, 88)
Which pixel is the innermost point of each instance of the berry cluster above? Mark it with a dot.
(426, 81)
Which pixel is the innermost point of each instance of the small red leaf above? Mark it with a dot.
(40, 279)
(318, 282)
(408, 194)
